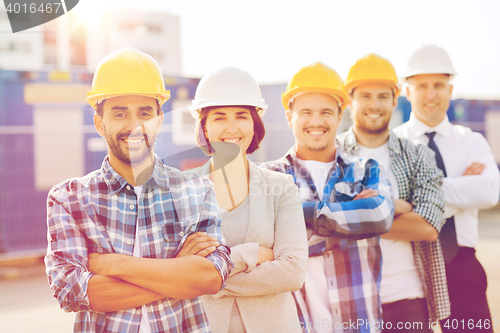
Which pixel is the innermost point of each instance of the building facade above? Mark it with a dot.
(76, 42)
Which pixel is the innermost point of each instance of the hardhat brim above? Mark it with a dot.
(415, 73)
(335, 93)
(355, 83)
(196, 110)
(94, 99)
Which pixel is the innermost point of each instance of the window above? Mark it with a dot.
(14, 47)
(140, 29)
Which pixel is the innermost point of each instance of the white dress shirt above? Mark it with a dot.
(464, 195)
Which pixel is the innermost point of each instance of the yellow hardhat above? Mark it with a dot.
(127, 72)
(372, 68)
(317, 77)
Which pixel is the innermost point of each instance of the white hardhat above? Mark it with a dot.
(228, 86)
(429, 59)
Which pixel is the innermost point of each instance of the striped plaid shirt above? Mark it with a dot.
(99, 213)
(419, 182)
(350, 242)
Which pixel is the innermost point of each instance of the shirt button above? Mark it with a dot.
(131, 206)
(129, 242)
(181, 233)
(138, 311)
(128, 187)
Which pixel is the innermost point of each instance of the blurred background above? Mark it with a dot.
(46, 128)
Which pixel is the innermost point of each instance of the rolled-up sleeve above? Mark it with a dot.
(211, 224)
(66, 259)
(290, 251)
(355, 219)
(244, 257)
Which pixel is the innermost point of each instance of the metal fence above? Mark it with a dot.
(47, 135)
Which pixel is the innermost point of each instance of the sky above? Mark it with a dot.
(273, 39)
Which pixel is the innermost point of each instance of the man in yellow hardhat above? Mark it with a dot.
(346, 207)
(116, 236)
(413, 287)
(471, 182)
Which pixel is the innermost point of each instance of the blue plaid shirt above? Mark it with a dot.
(351, 229)
(99, 212)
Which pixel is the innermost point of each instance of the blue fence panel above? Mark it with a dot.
(22, 206)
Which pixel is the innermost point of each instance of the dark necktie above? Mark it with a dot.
(448, 234)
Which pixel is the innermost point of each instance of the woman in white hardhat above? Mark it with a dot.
(261, 211)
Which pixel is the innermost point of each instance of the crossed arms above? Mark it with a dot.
(123, 282)
(85, 274)
(479, 186)
(368, 214)
(280, 255)
(421, 217)
(476, 188)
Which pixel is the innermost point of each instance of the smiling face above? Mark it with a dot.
(230, 124)
(130, 125)
(429, 95)
(371, 107)
(314, 118)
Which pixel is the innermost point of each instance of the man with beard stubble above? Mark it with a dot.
(413, 287)
(346, 207)
(119, 238)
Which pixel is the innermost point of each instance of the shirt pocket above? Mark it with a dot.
(175, 234)
(171, 238)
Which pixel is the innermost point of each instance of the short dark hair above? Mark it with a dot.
(259, 130)
(352, 92)
(99, 108)
(339, 108)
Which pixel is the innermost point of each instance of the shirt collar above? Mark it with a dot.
(290, 157)
(394, 146)
(419, 128)
(116, 182)
(350, 144)
(351, 147)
